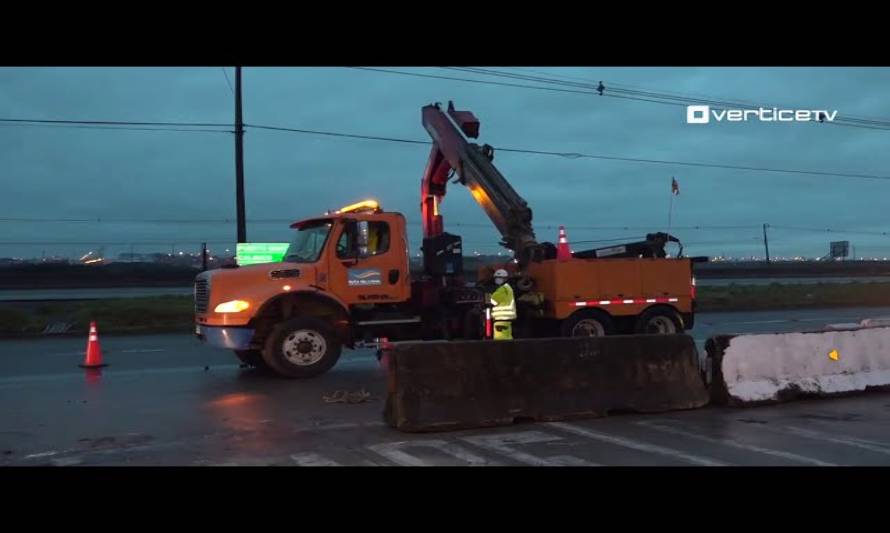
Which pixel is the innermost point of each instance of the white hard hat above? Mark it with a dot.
(501, 273)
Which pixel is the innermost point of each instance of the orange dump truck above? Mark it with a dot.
(346, 278)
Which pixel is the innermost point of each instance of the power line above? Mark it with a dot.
(113, 122)
(102, 220)
(831, 230)
(627, 94)
(568, 155)
(226, 74)
(121, 128)
(484, 82)
(576, 155)
(336, 134)
(111, 243)
(673, 99)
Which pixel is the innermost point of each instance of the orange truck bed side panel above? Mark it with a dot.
(591, 280)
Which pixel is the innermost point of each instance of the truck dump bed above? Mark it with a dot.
(623, 286)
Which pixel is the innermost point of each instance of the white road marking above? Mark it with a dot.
(67, 461)
(636, 445)
(155, 446)
(568, 460)
(312, 459)
(41, 454)
(500, 444)
(395, 452)
(735, 444)
(874, 446)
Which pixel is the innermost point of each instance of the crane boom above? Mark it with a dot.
(508, 211)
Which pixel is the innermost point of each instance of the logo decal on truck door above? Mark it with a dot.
(364, 277)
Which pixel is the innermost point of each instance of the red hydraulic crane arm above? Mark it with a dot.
(451, 151)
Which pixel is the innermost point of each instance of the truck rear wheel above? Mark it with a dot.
(302, 348)
(252, 358)
(659, 321)
(588, 323)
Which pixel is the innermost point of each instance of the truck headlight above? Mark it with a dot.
(233, 306)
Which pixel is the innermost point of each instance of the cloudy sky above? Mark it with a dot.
(77, 173)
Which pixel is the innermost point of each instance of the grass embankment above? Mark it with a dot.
(780, 296)
(175, 313)
(125, 315)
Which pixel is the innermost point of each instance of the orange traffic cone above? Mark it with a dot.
(94, 351)
(563, 252)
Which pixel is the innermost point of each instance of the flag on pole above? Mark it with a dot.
(675, 187)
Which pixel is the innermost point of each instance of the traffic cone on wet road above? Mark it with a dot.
(94, 351)
(563, 252)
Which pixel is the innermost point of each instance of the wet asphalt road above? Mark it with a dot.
(168, 400)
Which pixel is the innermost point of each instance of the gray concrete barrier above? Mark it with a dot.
(438, 386)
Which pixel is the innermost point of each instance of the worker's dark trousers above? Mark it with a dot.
(503, 330)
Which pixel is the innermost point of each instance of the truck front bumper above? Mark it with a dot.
(233, 338)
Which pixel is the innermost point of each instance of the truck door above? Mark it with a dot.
(378, 275)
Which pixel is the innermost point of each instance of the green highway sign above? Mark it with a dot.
(253, 253)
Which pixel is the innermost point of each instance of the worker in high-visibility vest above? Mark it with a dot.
(503, 311)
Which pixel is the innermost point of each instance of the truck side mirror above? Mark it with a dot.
(362, 239)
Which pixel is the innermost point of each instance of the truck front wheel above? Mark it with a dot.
(301, 348)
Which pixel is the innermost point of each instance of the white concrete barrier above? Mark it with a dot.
(765, 368)
(844, 326)
(879, 322)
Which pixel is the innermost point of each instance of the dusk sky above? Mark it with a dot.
(77, 173)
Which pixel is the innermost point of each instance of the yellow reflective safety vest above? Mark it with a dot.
(504, 303)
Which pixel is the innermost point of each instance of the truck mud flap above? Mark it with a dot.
(440, 386)
(750, 370)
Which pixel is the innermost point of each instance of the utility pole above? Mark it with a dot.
(239, 159)
(766, 242)
(203, 256)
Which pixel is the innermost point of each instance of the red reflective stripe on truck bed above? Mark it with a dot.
(629, 301)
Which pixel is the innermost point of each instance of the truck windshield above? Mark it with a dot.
(308, 243)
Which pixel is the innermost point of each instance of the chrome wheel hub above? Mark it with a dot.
(304, 347)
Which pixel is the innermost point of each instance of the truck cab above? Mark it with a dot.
(345, 269)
